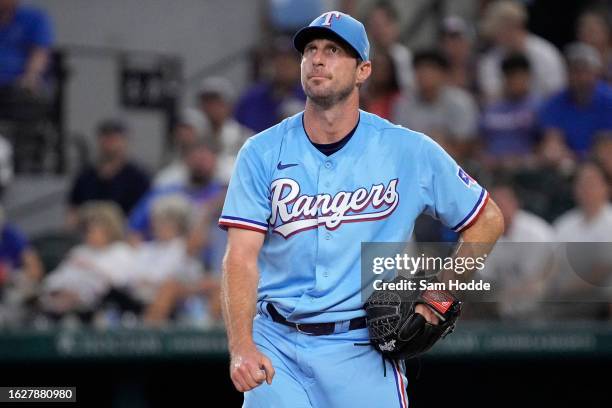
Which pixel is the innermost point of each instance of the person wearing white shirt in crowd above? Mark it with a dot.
(216, 97)
(505, 23)
(447, 114)
(521, 265)
(102, 262)
(190, 128)
(591, 220)
(165, 256)
(167, 274)
(585, 263)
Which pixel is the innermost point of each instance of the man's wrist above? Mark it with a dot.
(243, 344)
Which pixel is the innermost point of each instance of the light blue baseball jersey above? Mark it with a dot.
(316, 210)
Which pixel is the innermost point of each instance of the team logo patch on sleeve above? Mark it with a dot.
(466, 178)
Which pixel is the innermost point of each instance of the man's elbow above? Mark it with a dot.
(488, 227)
(493, 220)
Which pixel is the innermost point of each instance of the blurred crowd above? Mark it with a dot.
(530, 121)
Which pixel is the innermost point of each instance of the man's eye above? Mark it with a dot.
(334, 50)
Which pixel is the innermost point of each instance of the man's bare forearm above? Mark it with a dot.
(239, 296)
(478, 240)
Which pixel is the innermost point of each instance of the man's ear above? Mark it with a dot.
(364, 69)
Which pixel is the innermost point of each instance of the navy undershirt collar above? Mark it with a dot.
(330, 148)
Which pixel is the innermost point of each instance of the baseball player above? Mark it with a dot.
(304, 195)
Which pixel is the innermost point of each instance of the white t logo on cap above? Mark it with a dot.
(329, 16)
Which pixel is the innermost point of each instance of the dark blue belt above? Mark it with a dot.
(314, 329)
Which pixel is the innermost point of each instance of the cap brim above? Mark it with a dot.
(307, 34)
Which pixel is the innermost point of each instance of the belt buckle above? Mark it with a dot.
(297, 327)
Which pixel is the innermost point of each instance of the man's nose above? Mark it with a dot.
(318, 58)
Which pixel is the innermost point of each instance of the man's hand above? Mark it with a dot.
(427, 313)
(250, 368)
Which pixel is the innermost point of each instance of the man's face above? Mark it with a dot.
(383, 30)
(429, 76)
(582, 77)
(201, 163)
(456, 46)
(215, 108)
(590, 188)
(112, 145)
(185, 136)
(329, 72)
(516, 84)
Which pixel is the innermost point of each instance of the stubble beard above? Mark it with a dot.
(328, 98)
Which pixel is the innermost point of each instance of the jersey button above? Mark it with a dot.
(328, 165)
(328, 236)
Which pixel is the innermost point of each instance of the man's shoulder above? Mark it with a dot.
(567, 221)
(386, 127)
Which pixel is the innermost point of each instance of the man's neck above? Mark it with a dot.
(430, 95)
(329, 125)
(109, 167)
(591, 212)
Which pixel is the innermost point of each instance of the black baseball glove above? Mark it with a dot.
(400, 333)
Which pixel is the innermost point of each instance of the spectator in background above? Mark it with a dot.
(586, 266)
(92, 269)
(521, 267)
(113, 177)
(571, 119)
(268, 102)
(383, 25)
(505, 23)
(381, 91)
(593, 29)
(447, 114)
(187, 132)
(201, 190)
(457, 42)
(26, 36)
(177, 277)
(591, 220)
(165, 258)
(216, 97)
(508, 127)
(602, 154)
(17, 258)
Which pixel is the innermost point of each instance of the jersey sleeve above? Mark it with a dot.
(449, 193)
(247, 203)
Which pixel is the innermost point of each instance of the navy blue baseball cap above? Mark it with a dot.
(339, 25)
